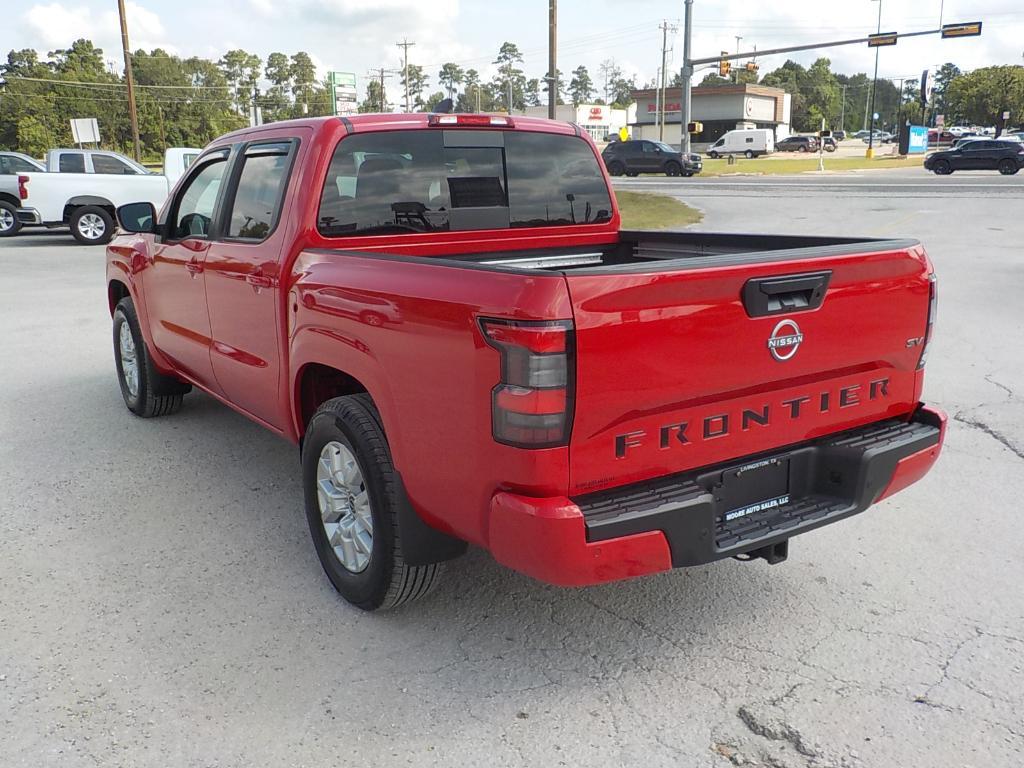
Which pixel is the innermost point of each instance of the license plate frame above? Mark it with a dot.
(755, 487)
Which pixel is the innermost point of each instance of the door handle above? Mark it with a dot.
(258, 280)
(194, 266)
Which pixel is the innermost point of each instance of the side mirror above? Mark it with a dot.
(137, 217)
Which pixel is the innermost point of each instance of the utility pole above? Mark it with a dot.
(842, 117)
(130, 80)
(404, 45)
(874, 87)
(686, 75)
(380, 75)
(663, 79)
(552, 59)
(738, 38)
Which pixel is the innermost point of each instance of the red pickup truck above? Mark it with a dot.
(442, 312)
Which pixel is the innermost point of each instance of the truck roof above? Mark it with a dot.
(397, 121)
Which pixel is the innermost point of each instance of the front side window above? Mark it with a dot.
(111, 165)
(436, 180)
(194, 210)
(71, 163)
(258, 196)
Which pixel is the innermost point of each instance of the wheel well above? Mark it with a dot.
(83, 200)
(11, 199)
(115, 292)
(318, 384)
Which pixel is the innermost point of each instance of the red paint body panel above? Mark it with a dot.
(912, 468)
(246, 321)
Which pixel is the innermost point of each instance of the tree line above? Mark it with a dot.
(190, 101)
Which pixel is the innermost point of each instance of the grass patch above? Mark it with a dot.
(646, 210)
(773, 166)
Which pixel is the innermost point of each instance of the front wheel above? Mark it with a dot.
(352, 503)
(1008, 167)
(673, 169)
(92, 225)
(803, 148)
(145, 390)
(9, 224)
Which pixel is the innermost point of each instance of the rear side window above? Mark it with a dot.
(259, 194)
(111, 165)
(437, 180)
(71, 163)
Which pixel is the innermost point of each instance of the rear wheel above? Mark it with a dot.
(92, 225)
(673, 169)
(9, 224)
(748, 154)
(145, 390)
(616, 168)
(713, 155)
(1008, 167)
(352, 502)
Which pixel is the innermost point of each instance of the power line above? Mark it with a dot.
(95, 84)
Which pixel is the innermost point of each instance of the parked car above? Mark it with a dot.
(939, 136)
(797, 144)
(84, 201)
(15, 162)
(749, 142)
(1007, 157)
(880, 137)
(829, 144)
(860, 134)
(638, 156)
(839, 135)
(574, 398)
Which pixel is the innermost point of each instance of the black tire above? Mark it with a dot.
(687, 174)
(713, 155)
(803, 148)
(1008, 167)
(673, 168)
(9, 223)
(616, 168)
(102, 230)
(749, 154)
(632, 174)
(942, 168)
(386, 581)
(155, 393)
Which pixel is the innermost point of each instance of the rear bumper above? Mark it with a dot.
(678, 521)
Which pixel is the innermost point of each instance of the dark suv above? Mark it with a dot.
(1007, 157)
(797, 144)
(641, 156)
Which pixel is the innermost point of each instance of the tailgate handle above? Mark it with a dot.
(764, 296)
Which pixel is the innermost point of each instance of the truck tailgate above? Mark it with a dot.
(679, 368)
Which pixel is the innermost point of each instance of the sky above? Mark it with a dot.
(360, 35)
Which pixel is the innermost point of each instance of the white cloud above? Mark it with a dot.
(57, 26)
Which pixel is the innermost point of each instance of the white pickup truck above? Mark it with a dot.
(84, 191)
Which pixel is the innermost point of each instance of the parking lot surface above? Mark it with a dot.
(162, 604)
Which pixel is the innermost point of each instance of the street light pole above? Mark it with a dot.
(686, 75)
(874, 87)
(738, 38)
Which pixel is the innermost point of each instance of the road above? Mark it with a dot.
(162, 604)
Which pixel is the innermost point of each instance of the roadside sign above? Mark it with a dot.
(1006, 115)
(85, 130)
(926, 87)
(918, 142)
(968, 29)
(875, 115)
(623, 134)
(940, 120)
(883, 38)
(343, 88)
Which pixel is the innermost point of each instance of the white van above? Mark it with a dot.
(749, 142)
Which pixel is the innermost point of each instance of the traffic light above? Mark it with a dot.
(723, 65)
(695, 127)
(752, 66)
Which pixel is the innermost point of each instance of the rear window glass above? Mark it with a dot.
(443, 180)
(71, 163)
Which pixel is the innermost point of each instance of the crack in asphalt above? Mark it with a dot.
(990, 431)
(993, 382)
(781, 731)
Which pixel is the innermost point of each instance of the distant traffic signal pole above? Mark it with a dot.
(966, 29)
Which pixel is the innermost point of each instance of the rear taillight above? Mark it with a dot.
(22, 189)
(492, 121)
(531, 406)
(933, 300)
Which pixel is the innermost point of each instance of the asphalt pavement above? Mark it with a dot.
(161, 603)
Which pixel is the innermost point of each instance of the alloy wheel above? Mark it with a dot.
(91, 226)
(344, 506)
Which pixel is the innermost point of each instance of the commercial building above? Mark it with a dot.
(719, 108)
(599, 120)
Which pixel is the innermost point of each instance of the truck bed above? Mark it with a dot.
(639, 251)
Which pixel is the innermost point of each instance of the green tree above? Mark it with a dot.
(560, 91)
(450, 77)
(982, 95)
(303, 75)
(417, 84)
(581, 87)
(510, 78)
(241, 70)
(944, 75)
(374, 101)
(713, 80)
(277, 103)
(621, 91)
